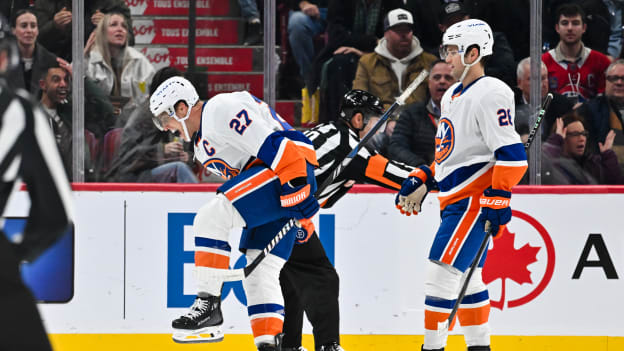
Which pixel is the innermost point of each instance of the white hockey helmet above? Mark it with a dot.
(166, 96)
(466, 33)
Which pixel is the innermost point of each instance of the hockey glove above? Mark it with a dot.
(495, 209)
(413, 191)
(305, 232)
(297, 195)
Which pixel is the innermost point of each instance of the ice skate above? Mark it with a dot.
(201, 324)
(334, 346)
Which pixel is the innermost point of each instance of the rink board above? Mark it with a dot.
(563, 262)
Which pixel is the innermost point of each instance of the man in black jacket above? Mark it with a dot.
(30, 155)
(412, 141)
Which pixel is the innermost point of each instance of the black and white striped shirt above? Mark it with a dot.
(333, 142)
(28, 152)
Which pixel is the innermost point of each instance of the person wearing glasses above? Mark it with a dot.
(604, 112)
(566, 149)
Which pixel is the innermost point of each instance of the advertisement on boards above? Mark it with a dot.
(555, 271)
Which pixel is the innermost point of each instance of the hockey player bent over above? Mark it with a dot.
(478, 159)
(270, 168)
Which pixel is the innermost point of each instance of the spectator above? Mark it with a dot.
(574, 70)
(55, 19)
(558, 106)
(604, 24)
(34, 58)
(253, 25)
(148, 155)
(413, 139)
(566, 148)
(306, 21)
(396, 61)
(604, 112)
(353, 29)
(120, 70)
(55, 93)
(501, 63)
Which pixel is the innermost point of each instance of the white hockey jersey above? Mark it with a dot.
(236, 128)
(476, 142)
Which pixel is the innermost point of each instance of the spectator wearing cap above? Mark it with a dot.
(353, 29)
(396, 61)
(501, 64)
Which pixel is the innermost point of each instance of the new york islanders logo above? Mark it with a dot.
(222, 168)
(444, 140)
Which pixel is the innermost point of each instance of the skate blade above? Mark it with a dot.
(205, 335)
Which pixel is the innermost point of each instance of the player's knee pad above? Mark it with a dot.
(476, 283)
(215, 219)
(442, 280)
(262, 286)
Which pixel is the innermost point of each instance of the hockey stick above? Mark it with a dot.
(444, 325)
(241, 273)
(399, 101)
(230, 275)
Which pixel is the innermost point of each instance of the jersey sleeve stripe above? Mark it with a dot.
(513, 152)
(504, 177)
(376, 168)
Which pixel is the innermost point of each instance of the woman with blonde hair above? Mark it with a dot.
(120, 70)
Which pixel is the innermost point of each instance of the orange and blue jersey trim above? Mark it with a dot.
(511, 164)
(250, 184)
(465, 182)
(287, 153)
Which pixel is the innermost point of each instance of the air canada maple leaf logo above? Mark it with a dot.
(512, 258)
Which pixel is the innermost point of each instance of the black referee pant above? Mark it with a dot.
(310, 283)
(22, 329)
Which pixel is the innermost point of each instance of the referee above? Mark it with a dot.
(27, 152)
(308, 279)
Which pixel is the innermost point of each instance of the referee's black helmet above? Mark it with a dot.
(361, 101)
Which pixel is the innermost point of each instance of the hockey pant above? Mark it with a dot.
(310, 283)
(453, 250)
(22, 327)
(250, 200)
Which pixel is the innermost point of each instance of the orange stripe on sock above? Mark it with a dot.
(432, 318)
(375, 170)
(455, 244)
(212, 260)
(473, 316)
(266, 326)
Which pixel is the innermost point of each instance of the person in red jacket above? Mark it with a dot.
(574, 70)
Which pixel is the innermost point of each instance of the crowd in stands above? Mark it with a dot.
(378, 46)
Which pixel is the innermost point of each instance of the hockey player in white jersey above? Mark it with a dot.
(479, 157)
(270, 172)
